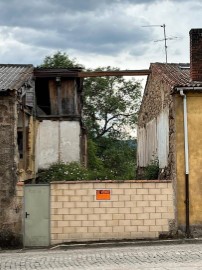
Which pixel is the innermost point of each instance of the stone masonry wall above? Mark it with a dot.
(8, 177)
(157, 96)
(137, 210)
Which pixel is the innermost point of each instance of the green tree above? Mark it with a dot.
(110, 104)
(118, 157)
(59, 60)
(112, 159)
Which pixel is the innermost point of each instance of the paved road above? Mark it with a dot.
(184, 256)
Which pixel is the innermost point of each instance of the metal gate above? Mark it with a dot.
(36, 215)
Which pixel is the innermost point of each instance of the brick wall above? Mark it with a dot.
(196, 54)
(137, 209)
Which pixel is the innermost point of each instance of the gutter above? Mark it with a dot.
(186, 148)
(190, 88)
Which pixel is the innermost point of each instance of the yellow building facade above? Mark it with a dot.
(176, 88)
(194, 122)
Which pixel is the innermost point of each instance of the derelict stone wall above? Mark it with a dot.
(8, 167)
(157, 97)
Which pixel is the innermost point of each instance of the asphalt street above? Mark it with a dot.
(172, 256)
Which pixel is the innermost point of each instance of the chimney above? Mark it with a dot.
(196, 54)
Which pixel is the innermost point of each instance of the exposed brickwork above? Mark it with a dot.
(134, 211)
(196, 54)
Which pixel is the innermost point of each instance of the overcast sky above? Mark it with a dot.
(97, 32)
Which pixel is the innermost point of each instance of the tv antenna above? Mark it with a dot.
(164, 39)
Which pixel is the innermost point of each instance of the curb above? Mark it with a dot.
(123, 243)
(105, 244)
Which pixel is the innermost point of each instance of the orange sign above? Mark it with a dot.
(103, 195)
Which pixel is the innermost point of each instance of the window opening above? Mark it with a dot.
(20, 143)
(42, 97)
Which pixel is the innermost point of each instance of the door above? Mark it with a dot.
(37, 216)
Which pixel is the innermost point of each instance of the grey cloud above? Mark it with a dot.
(95, 36)
(138, 50)
(37, 13)
(85, 25)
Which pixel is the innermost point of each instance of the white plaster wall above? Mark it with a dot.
(147, 143)
(153, 141)
(70, 141)
(47, 143)
(163, 138)
(57, 141)
(141, 147)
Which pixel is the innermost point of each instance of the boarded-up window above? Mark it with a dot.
(29, 98)
(67, 97)
(53, 97)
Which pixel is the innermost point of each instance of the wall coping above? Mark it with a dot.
(111, 181)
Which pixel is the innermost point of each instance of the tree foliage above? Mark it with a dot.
(112, 159)
(59, 60)
(110, 105)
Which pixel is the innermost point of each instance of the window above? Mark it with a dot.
(56, 97)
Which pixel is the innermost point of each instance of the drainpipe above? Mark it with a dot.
(186, 163)
(59, 102)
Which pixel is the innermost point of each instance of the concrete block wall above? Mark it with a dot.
(136, 210)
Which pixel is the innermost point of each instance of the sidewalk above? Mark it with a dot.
(108, 244)
(122, 255)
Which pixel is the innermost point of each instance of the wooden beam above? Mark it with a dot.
(142, 72)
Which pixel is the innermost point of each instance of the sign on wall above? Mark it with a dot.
(103, 194)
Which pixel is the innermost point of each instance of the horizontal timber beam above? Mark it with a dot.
(142, 72)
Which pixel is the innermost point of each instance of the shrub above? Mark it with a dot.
(152, 170)
(63, 172)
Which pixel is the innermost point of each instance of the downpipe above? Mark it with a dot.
(186, 164)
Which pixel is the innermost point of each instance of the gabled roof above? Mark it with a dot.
(12, 77)
(174, 74)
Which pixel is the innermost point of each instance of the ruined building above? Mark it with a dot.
(40, 124)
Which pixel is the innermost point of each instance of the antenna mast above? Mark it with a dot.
(165, 37)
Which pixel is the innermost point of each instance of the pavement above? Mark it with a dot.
(160, 255)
